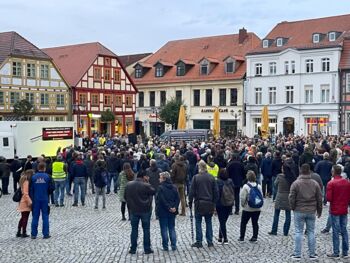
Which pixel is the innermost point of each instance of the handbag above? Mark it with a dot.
(205, 207)
(17, 196)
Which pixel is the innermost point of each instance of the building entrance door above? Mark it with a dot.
(288, 126)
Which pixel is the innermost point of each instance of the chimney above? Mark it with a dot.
(242, 35)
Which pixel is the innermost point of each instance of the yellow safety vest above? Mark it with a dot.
(214, 171)
(167, 150)
(58, 171)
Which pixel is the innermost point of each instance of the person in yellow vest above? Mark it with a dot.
(59, 175)
(212, 167)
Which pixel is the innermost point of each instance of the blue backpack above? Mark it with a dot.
(255, 198)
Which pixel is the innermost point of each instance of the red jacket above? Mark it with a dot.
(338, 194)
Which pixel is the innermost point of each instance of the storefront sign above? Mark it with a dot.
(153, 115)
(212, 110)
(59, 133)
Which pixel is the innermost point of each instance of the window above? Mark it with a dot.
(309, 65)
(279, 42)
(197, 98)
(347, 82)
(97, 73)
(107, 62)
(60, 99)
(208, 97)
(44, 118)
(152, 98)
(107, 74)
(325, 92)
(258, 96)
(44, 71)
(222, 97)
(162, 98)
(325, 64)
(258, 69)
(141, 99)
(17, 69)
(230, 66)
(272, 67)
(204, 68)
(272, 95)
(159, 71)
(117, 77)
(128, 100)
(82, 99)
(286, 67)
(119, 100)
(30, 98)
(265, 43)
(14, 97)
(31, 70)
(59, 118)
(44, 99)
(180, 69)
(233, 97)
(289, 94)
(107, 100)
(5, 142)
(138, 72)
(332, 36)
(316, 38)
(95, 100)
(2, 100)
(309, 94)
(292, 64)
(178, 95)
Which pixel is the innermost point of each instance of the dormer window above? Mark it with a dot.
(265, 43)
(315, 38)
(180, 69)
(279, 42)
(138, 72)
(332, 36)
(159, 71)
(230, 65)
(204, 67)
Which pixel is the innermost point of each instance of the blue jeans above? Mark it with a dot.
(146, 226)
(59, 191)
(286, 222)
(339, 224)
(167, 225)
(43, 208)
(208, 230)
(309, 219)
(114, 177)
(329, 222)
(68, 184)
(79, 183)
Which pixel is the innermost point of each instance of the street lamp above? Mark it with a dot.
(236, 116)
(156, 111)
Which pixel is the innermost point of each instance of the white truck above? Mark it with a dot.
(23, 138)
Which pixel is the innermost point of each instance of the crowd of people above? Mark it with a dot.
(223, 177)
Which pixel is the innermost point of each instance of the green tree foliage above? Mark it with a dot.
(107, 116)
(170, 112)
(23, 109)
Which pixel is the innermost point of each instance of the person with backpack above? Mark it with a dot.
(25, 204)
(225, 202)
(283, 182)
(251, 201)
(100, 181)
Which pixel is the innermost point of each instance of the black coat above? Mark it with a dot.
(167, 197)
(235, 171)
(324, 169)
(276, 166)
(138, 196)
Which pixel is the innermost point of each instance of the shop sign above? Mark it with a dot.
(58, 133)
(213, 110)
(153, 115)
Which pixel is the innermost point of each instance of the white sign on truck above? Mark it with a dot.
(23, 138)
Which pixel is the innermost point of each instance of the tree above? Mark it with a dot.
(23, 109)
(170, 112)
(107, 116)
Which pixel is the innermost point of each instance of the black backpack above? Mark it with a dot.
(227, 195)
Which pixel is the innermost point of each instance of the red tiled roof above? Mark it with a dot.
(164, 63)
(13, 44)
(145, 65)
(74, 60)
(191, 51)
(128, 60)
(299, 33)
(344, 62)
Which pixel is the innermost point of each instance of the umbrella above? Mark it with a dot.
(216, 127)
(264, 123)
(181, 123)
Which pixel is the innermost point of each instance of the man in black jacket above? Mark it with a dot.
(235, 171)
(324, 169)
(139, 196)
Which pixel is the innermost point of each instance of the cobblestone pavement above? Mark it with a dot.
(82, 234)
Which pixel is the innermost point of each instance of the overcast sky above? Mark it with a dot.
(137, 26)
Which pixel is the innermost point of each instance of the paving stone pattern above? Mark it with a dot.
(82, 234)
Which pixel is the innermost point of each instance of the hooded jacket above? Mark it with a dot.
(167, 197)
